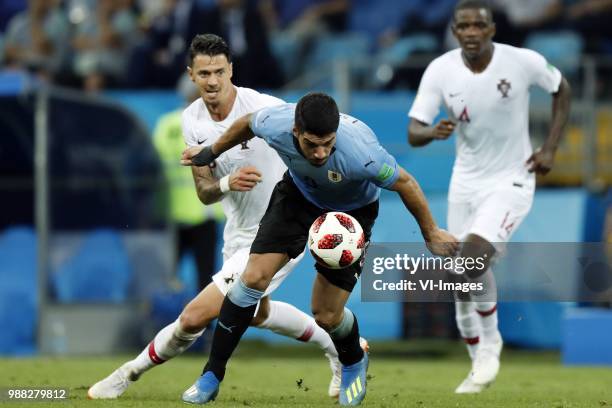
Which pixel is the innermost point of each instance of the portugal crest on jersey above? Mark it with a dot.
(504, 87)
(333, 176)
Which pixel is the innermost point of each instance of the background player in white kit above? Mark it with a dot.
(484, 87)
(243, 179)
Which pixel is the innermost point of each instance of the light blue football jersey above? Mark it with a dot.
(352, 176)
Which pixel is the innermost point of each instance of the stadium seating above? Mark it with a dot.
(586, 337)
(562, 49)
(98, 272)
(18, 291)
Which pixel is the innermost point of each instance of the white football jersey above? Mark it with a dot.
(491, 110)
(243, 210)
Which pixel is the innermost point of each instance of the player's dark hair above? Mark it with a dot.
(473, 4)
(317, 113)
(208, 44)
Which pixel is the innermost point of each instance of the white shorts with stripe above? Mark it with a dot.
(493, 215)
(234, 267)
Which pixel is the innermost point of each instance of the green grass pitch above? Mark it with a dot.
(415, 374)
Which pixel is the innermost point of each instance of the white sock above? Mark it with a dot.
(468, 325)
(287, 320)
(168, 343)
(486, 307)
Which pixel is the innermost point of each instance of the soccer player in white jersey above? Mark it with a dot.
(243, 179)
(484, 87)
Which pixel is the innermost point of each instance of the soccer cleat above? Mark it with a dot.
(334, 385)
(353, 384)
(204, 390)
(486, 363)
(469, 387)
(114, 385)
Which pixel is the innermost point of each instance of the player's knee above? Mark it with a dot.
(193, 321)
(257, 278)
(327, 320)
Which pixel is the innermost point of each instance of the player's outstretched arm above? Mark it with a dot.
(542, 160)
(210, 190)
(420, 134)
(238, 132)
(438, 240)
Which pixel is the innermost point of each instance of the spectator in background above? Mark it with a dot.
(195, 224)
(295, 25)
(8, 9)
(241, 23)
(516, 18)
(593, 19)
(300, 17)
(102, 43)
(160, 58)
(37, 39)
(428, 16)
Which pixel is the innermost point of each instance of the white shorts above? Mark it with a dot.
(235, 266)
(493, 216)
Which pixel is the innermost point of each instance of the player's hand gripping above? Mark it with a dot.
(443, 129)
(244, 179)
(198, 156)
(541, 161)
(441, 242)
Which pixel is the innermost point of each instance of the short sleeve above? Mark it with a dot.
(187, 128)
(268, 123)
(540, 72)
(381, 167)
(266, 100)
(426, 105)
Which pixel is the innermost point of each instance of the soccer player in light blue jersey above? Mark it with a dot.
(335, 163)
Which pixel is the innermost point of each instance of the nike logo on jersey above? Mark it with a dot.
(264, 119)
(229, 329)
(453, 95)
(368, 163)
(200, 141)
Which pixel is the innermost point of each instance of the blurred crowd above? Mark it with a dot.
(98, 44)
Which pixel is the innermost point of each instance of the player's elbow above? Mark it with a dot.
(412, 139)
(414, 134)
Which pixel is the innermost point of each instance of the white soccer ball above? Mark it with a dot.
(336, 240)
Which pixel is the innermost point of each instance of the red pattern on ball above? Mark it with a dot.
(347, 258)
(318, 222)
(346, 222)
(361, 242)
(329, 241)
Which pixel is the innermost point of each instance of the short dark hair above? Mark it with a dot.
(473, 4)
(317, 113)
(208, 44)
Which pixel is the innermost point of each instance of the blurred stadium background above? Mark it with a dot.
(87, 245)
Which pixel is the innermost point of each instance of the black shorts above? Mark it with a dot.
(285, 225)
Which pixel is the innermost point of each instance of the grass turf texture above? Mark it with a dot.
(415, 374)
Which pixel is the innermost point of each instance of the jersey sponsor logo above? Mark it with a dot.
(200, 141)
(334, 176)
(465, 116)
(454, 95)
(385, 173)
(370, 162)
(504, 87)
